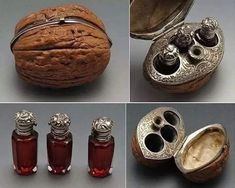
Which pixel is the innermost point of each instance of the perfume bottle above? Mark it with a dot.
(100, 148)
(206, 35)
(167, 61)
(59, 144)
(24, 143)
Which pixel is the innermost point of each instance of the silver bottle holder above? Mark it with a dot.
(199, 47)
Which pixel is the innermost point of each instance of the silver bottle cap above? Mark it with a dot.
(169, 54)
(184, 37)
(25, 121)
(101, 128)
(59, 124)
(208, 28)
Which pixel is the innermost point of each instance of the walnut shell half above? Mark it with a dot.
(61, 55)
(204, 153)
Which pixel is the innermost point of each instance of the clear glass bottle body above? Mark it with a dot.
(100, 156)
(24, 149)
(59, 153)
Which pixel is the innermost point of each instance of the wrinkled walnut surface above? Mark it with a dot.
(203, 150)
(61, 56)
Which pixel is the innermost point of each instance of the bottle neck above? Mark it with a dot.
(24, 130)
(101, 136)
(59, 133)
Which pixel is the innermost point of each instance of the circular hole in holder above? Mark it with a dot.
(169, 133)
(157, 120)
(171, 117)
(154, 143)
(196, 53)
(163, 68)
(208, 43)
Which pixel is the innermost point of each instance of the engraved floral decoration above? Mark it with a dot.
(187, 71)
(102, 124)
(145, 128)
(25, 118)
(60, 120)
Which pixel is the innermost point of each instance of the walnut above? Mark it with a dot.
(160, 137)
(62, 47)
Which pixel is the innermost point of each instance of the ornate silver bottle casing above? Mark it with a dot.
(25, 121)
(60, 125)
(101, 129)
(200, 45)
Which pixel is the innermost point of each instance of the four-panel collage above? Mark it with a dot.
(122, 94)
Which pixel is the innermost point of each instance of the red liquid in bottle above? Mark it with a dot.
(24, 149)
(59, 154)
(100, 156)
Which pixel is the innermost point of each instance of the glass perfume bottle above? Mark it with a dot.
(24, 143)
(59, 144)
(100, 148)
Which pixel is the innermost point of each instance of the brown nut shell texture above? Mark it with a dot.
(61, 55)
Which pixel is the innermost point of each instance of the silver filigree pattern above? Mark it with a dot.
(101, 128)
(184, 36)
(103, 124)
(25, 118)
(25, 121)
(208, 28)
(60, 120)
(169, 54)
(187, 71)
(144, 128)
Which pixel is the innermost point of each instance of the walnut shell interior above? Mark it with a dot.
(148, 16)
(203, 150)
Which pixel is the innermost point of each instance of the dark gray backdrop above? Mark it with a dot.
(112, 86)
(195, 117)
(221, 87)
(82, 116)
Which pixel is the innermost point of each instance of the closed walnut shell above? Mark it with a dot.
(61, 55)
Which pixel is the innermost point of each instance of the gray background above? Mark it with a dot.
(81, 116)
(221, 87)
(113, 85)
(195, 117)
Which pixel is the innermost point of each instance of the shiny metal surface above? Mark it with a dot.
(55, 22)
(153, 124)
(188, 70)
(150, 19)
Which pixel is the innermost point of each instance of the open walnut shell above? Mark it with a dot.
(61, 47)
(160, 136)
(200, 46)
